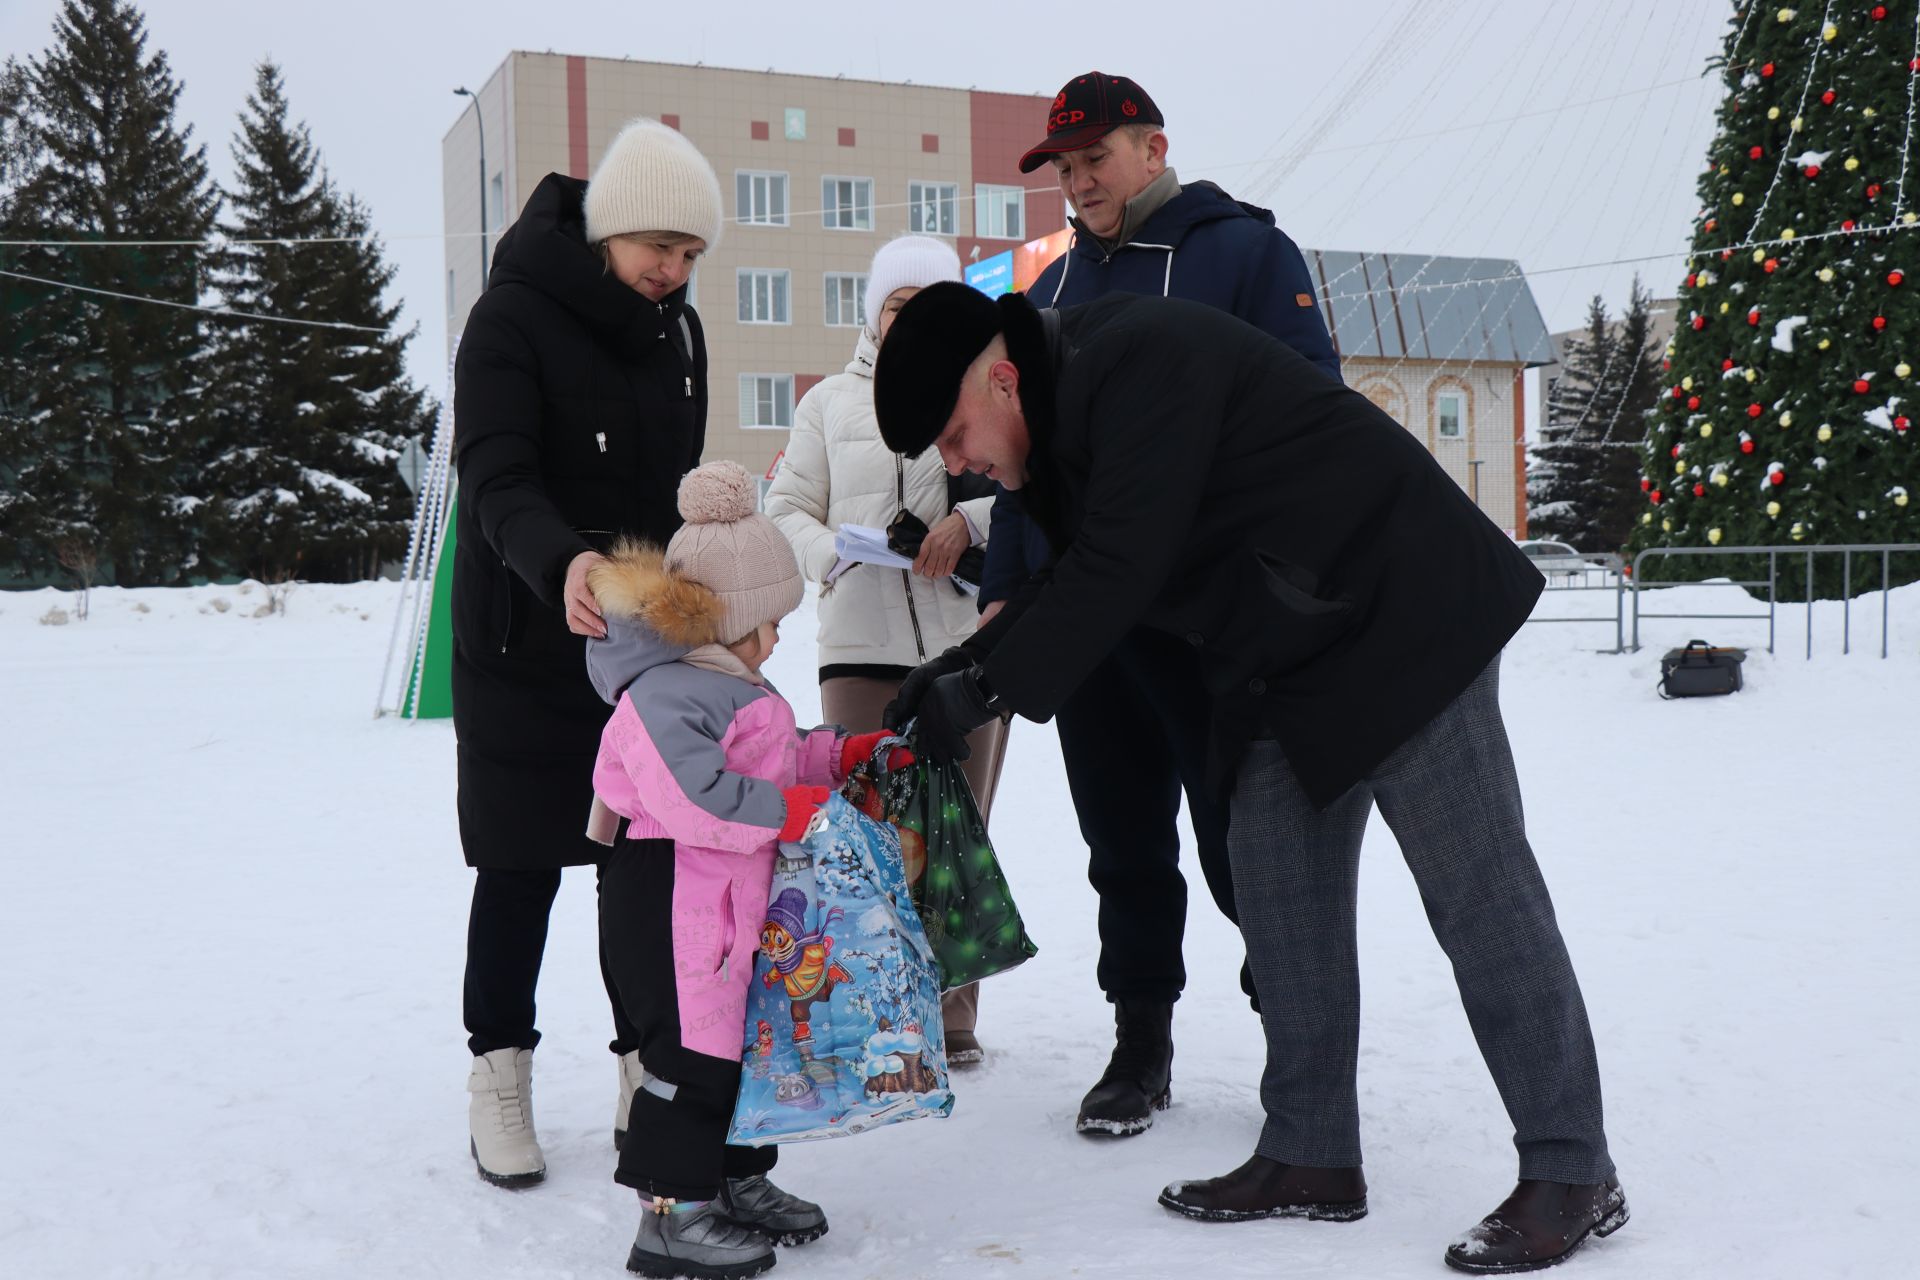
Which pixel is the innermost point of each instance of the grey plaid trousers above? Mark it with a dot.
(1453, 802)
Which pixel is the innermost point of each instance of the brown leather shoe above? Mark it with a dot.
(1263, 1188)
(1540, 1224)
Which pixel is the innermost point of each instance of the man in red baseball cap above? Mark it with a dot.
(1140, 724)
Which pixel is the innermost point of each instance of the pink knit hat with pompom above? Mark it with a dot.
(733, 551)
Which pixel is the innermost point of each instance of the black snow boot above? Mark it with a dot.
(1263, 1188)
(1138, 1078)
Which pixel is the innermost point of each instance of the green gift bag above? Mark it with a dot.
(958, 887)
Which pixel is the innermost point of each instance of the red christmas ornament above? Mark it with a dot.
(1914, 65)
(1900, 424)
(1827, 97)
(1725, 254)
(1767, 70)
(1813, 171)
(1699, 323)
(1665, 365)
(1861, 386)
(1847, 224)
(1754, 411)
(1711, 224)
(1676, 451)
(1879, 13)
(1894, 278)
(1693, 402)
(1645, 484)
(1879, 323)
(1754, 153)
(1677, 393)
(1655, 497)
(1753, 316)
(1873, 191)
(1771, 265)
(1726, 365)
(1699, 491)
(1746, 446)
(1692, 280)
(1777, 477)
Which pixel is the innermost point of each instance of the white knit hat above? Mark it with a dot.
(907, 262)
(653, 179)
(733, 551)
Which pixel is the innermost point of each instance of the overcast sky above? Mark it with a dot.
(1558, 134)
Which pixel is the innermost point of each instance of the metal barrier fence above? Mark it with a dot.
(1885, 551)
(1613, 577)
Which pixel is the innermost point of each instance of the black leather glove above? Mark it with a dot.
(955, 705)
(906, 703)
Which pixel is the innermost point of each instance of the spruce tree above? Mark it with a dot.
(304, 421)
(1787, 414)
(95, 391)
(1580, 478)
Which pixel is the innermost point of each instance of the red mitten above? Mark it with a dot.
(858, 748)
(802, 804)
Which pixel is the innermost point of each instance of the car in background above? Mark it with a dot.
(1560, 563)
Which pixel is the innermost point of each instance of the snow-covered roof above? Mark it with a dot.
(1421, 307)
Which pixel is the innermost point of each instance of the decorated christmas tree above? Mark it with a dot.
(1787, 414)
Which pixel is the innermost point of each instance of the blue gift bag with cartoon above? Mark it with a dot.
(843, 1015)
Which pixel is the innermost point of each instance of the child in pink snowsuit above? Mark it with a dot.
(703, 759)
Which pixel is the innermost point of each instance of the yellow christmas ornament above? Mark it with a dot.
(1903, 369)
(1786, 419)
(1796, 124)
(1720, 478)
(1679, 466)
(1853, 162)
(1723, 308)
(1706, 277)
(1829, 31)
(1773, 509)
(1739, 198)
(1826, 275)
(1798, 532)
(1759, 255)
(1868, 113)
(1686, 383)
(1647, 518)
(1825, 433)
(1752, 375)
(1825, 343)
(1900, 499)
(1910, 218)
(1666, 526)
(1773, 113)
(1785, 15)
(1706, 430)
(1713, 536)
(1788, 234)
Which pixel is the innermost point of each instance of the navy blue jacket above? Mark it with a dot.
(1202, 245)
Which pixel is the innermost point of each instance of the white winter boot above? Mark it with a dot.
(500, 1117)
(630, 1074)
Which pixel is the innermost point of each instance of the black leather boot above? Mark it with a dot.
(1540, 1224)
(1138, 1077)
(1263, 1188)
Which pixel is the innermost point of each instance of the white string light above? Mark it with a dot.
(1780, 165)
(226, 312)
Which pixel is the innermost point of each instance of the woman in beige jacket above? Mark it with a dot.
(877, 624)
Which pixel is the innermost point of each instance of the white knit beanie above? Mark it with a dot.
(734, 551)
(653, 179)
(907, 262)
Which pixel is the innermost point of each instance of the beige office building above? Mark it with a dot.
(817, 175)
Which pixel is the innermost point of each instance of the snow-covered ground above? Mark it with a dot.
(234, 906)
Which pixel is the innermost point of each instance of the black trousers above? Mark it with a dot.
(1134, 736)
(506, 937)
(676, 1145)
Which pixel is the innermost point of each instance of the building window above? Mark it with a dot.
(766, 400)
(930, 208)
(847, 203)
(846, 300)
(763, 297)
(999, 213)
(1450, 411)
(760, 199)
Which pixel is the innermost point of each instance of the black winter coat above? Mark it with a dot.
(578, 405)
(1201, 478)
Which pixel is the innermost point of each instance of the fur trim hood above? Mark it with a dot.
(653, 616)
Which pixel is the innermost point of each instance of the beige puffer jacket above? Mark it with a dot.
(838, 470)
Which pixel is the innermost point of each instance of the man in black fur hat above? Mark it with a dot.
(1347, 604)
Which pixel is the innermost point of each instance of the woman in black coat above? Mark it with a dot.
(580, 399)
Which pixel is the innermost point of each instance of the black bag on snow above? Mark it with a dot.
(1700, 671)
